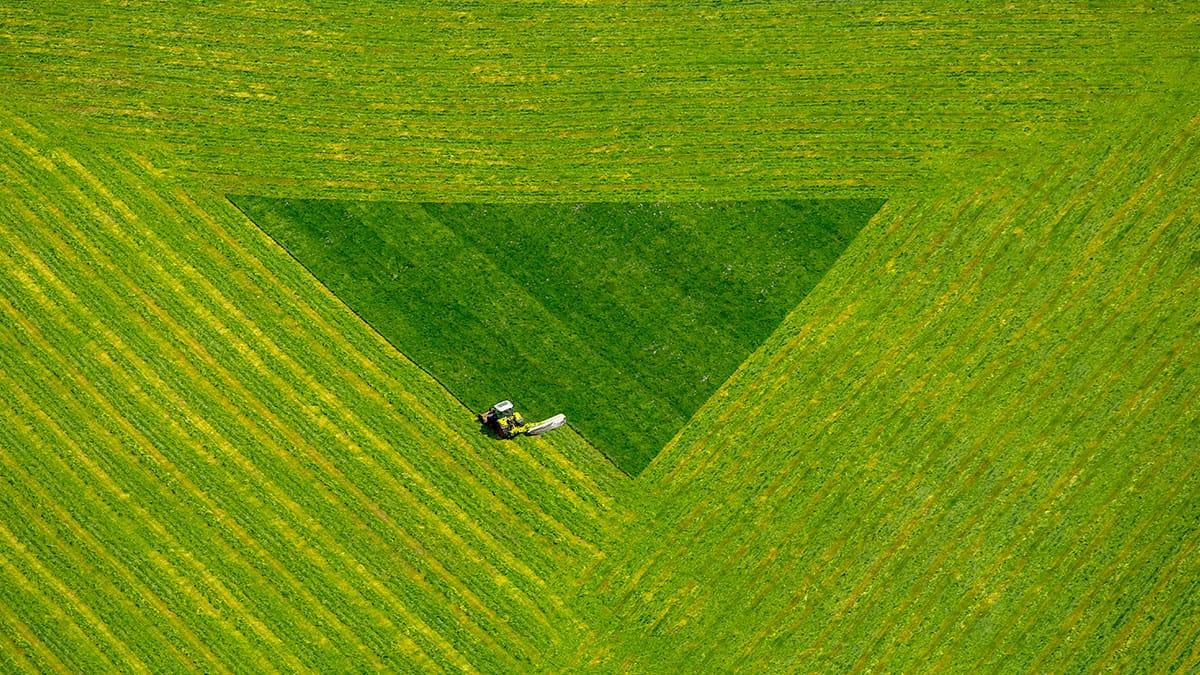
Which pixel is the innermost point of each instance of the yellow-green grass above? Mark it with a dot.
(973, 446)
(530, 100)
(1009, 480)
(624, 317)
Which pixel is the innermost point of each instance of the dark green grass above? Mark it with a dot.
(626, 317)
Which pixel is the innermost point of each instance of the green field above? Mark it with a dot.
(626, 317)
(973, 445)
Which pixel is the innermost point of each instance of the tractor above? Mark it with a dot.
(508, 423)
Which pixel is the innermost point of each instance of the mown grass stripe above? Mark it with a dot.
(911, 392)
(1153, 474)
(1068, 627)
(1123, 641)
(935, 640)
(927, 106)
(185, 482)
(36, 494)
(142, 514)
(13, 657)
(731, 407)
(1188, 663)
(146, 402)
(989, 575)
(20, 630)
(118, 608)
(353, 133)
(96, 472)
(300, 518)
(63, 636)
(797, 340)
(95, 627)
(992, 579)
(1094, 535)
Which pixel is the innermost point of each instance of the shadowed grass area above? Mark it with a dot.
(624, 316)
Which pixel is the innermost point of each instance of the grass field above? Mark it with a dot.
(973, 446)
(626, 317)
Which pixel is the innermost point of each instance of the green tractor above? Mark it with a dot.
(508, 423)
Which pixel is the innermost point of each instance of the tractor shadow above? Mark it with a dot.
(490, 432)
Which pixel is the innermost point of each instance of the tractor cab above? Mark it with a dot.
(503, 409)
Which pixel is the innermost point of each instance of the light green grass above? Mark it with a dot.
(971, 448)
(626, 317)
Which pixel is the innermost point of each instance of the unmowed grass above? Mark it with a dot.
(626, 317)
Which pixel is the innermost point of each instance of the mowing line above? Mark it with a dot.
(104, 479)
(144, 516)
(1031, 524)
(476, 459)
(968, 550)
(1191, 661)
(1150, 603)
(28, 633)
(103, 585)
(1151, 474)
(10, 650)
(1081, 606)
(943, 555)
(151, 404)
(1087, 200)
(1177, 146)
(97, 548)
(11, 621)
(1001, 418)
(99, 627)
(1068, 382)
(203, 427)
(978, 607)
(25, 126)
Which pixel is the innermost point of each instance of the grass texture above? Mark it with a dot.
(973, 446)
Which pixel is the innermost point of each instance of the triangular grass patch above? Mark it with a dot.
(624, 316)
